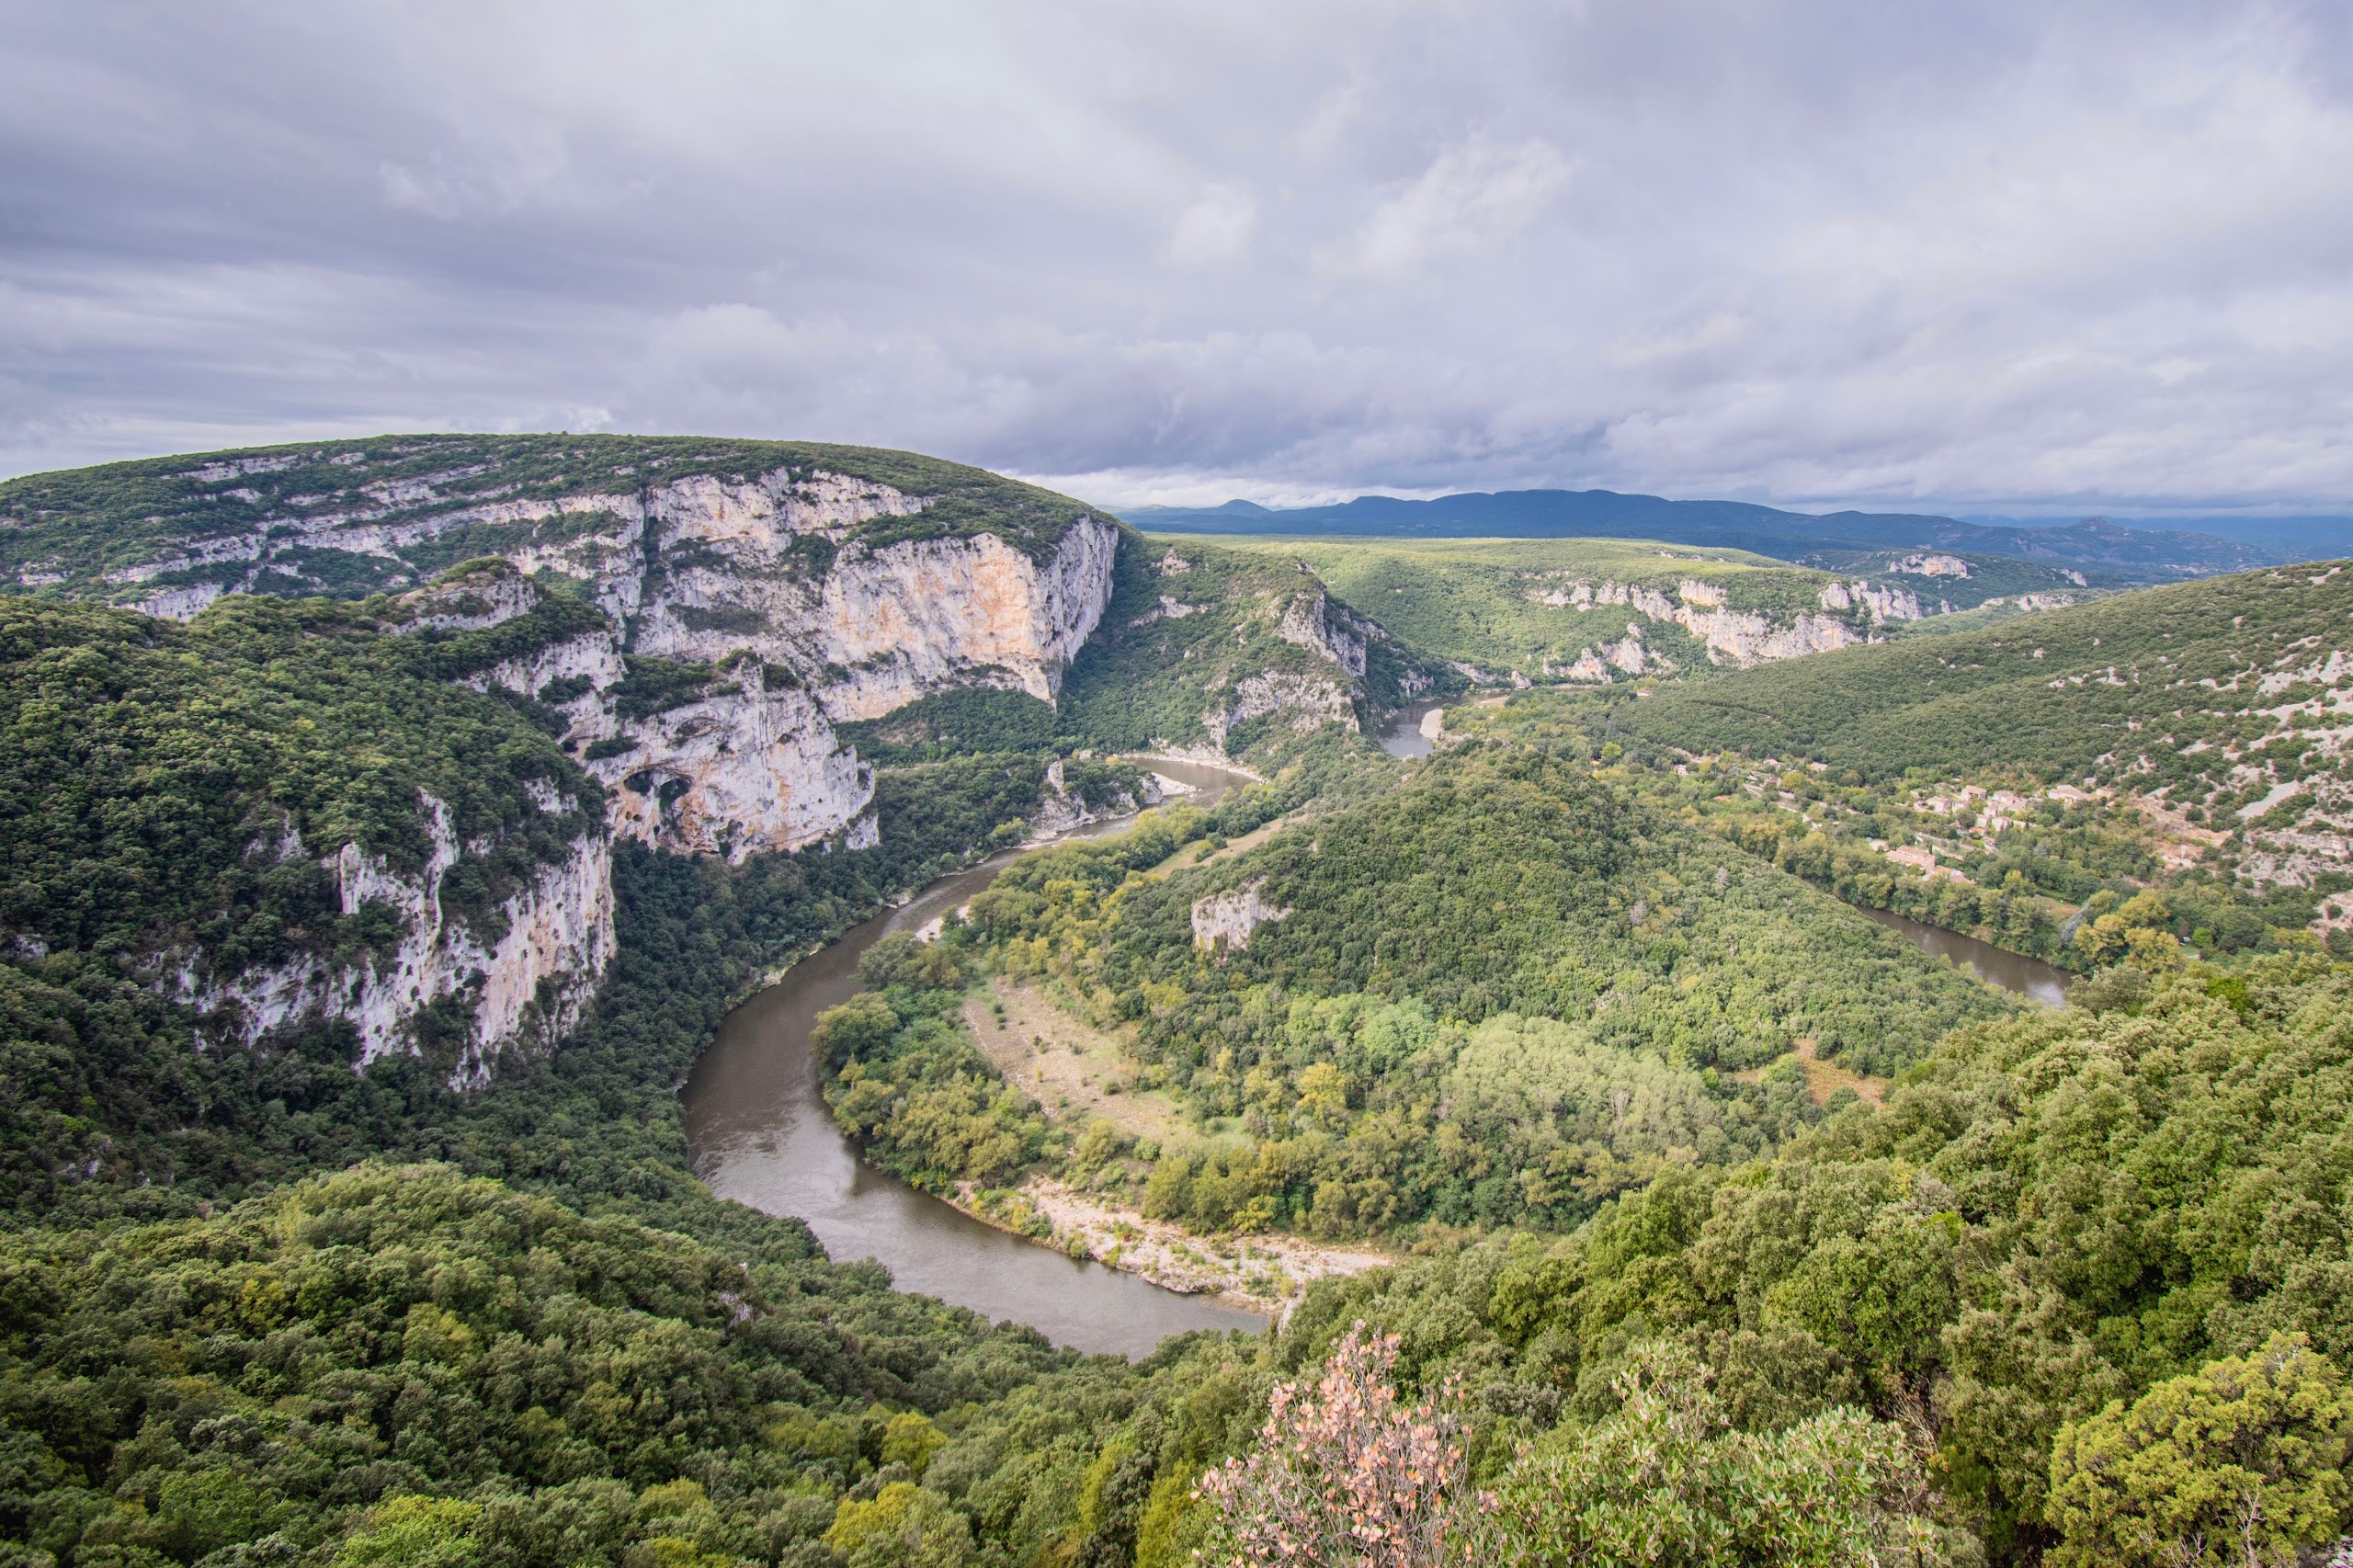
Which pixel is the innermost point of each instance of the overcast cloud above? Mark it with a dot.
(1985, 257)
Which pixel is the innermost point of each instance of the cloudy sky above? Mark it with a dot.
(1978, 256)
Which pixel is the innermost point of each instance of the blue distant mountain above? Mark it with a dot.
(2138, 555)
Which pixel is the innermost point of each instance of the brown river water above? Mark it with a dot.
(761, 1134)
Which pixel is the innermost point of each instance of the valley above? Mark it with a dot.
(551, 986)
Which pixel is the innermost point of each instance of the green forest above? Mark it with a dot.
(1727, 1226)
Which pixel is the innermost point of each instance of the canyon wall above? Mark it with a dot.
(740, 617)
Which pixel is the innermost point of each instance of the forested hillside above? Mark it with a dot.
(1591, 612)
(1494, 996)
(1730, 1228)
(2184, 740)
(163, 780)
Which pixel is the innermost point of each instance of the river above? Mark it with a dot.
(2029, 978)
(760, 1134)
(1404, 734)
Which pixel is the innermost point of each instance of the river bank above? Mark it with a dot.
(1266, 1272)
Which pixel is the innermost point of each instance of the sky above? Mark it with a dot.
(2022, 259)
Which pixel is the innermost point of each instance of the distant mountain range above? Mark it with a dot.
(2135, 555)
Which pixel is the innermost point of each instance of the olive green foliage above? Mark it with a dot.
(1481, 601)
(2192, 695)
(2050, 1214)
(2241, 1461)
(403, 1365)
(1667, 1478)
(66, 531)
(396, 1361)
(652, 686)
(1188, 623)
(948, 723)
(904, 1078)
(104, 1106)
(168, 787)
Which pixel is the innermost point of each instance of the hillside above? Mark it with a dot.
(1494, 996)
(2188, 739)
(2220, 694)
(2136, 555)
(1592, 611)
(689, 628)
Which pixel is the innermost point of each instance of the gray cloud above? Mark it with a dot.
(1992, 257)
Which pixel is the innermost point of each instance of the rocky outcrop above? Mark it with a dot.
(1735, 637)
(1926, 565)
(1304, 694)
(1313, 622)
(1226, 919)
(2031, 601)
(1307, 701)
(1061, 808)
(802, 627)
(521, 973)
(1884, 604)
(1743, 639)
(739, 769)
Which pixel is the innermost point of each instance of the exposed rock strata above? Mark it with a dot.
(1734, 637)
(525, 985)
(769, 583)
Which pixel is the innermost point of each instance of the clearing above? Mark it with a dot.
(1075, 1071)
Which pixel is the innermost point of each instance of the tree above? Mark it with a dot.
(2240, 1462)
(903, 1527)
(1667, 1480)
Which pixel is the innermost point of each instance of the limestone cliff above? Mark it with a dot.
(1227, 920)
(1740, 637)
(520, 976)
(700, 615)
(823, 585)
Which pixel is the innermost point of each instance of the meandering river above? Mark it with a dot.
(761, 1134)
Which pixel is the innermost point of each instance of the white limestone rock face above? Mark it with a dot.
(1738, 638)
(1061, 808)
(1306, 701)
(525, 975)
(1227, 920)
(1742, 639)
(736, 771)
(812, 631)
(917, 617)
(1884, 604)
(1315, 623)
